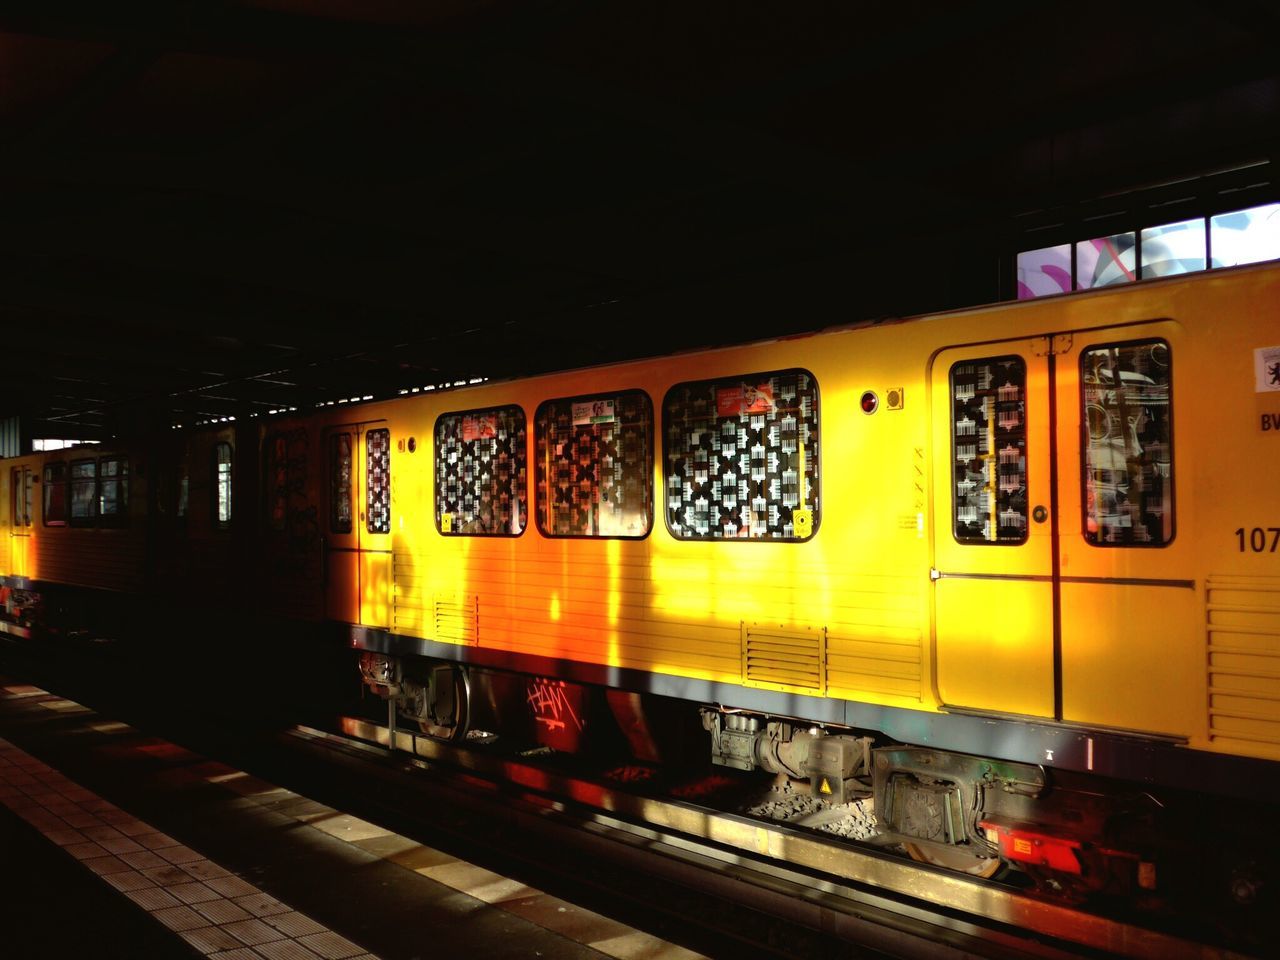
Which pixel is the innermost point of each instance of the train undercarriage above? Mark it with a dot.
(1070, 836)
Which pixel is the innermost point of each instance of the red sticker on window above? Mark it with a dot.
(735, 401)
(481, 427)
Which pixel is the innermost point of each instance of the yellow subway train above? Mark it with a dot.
(1014, 569)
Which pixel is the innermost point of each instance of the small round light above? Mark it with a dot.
(870, 402)
(413, 444)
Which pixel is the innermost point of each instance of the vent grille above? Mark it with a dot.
(782, 658)
(1244, 658)
(456, 618)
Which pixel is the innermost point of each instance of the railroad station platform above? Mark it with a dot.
(116, 844)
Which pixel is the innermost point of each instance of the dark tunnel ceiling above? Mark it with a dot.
(218, 208)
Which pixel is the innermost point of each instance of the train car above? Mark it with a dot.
(1013, 570)
(1034, 544)
(75, 526)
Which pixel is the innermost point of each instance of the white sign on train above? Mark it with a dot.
(1266, 369)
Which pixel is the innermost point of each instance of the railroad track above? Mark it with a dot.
(696, 858)
(861, 895)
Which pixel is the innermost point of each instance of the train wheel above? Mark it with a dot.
(450, 711)
(955, 860)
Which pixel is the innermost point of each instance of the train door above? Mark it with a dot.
(1130, 614)
(993, 547)
(358, 523)
(21, 490)
(1061, 587)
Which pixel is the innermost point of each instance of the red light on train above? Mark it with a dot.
(870, 402)
(1033, 847)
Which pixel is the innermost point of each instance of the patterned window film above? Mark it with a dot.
(378, 481)
(741, 457)
(55, 494)
(84, 490)
(340, 483)
(989, 450)
(276, 450)
(222, 488)
(594, 465)
(1126, 392)
(482, 473)
(113, 488)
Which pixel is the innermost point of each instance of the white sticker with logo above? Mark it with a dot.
(1266, 369)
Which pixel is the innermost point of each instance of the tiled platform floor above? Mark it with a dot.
(147, 838)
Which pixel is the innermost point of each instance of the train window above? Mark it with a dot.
(113, 489)
(989, 450)
(21, 489)
(276, 505)
(184, 490)
(84, 490)
(741, 457)
(594, 465)
(1128, 447)
(340, 483)
(55, 494)
(378, 481)
(222, 488)
(481, 465)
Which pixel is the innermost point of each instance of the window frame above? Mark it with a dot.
(435, 474)
(215, 520)
(817, 479)
(121, 517)
(1084, 438)
(92, 518)
(533, 475)
(274, 492)
(51, 483)
(330, 477)
(368, 484)
(22, 501)
(1026, 439)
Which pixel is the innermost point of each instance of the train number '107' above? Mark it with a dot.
(1259, 539)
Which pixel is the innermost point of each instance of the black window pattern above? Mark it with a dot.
(277, 485)
(1126, 392)
(481, 464)
(594, 465)
(989, 450)
(340, 483)
(742, 456)
(378, 481)
(55, 494)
